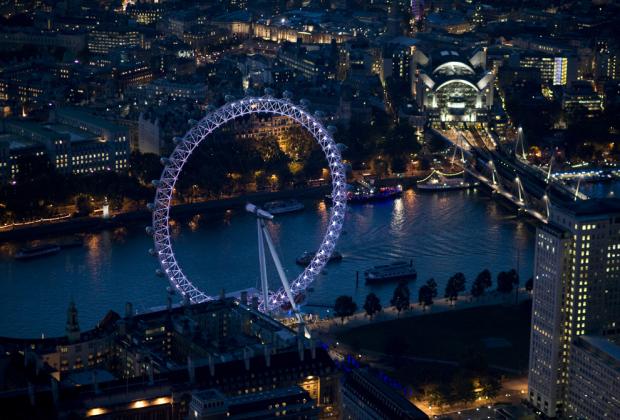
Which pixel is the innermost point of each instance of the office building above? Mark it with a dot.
(576, 293)
(102, 41)
(581, 99)
(74, 142)
(594, 385)
(556, 70)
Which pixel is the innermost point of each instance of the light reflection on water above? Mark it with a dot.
(442, 233)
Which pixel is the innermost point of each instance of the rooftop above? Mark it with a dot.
(71, 112)
(604, 345)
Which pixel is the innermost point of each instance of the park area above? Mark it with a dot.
(499, 333)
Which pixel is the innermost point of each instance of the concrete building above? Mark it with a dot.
(282, 403)
(576, 292)
(581, 98)
(555, 69)
(218, 359)
(366, 397)
(173, 89)
(75, 143)
(594, 385)
(102, 41)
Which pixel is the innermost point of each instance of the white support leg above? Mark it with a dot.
(282, 274)
(262, 264)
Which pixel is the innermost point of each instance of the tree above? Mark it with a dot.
(482, 282)
(506, 280)
(462, 388)
(344, 307)
(372, 305)
(477, 289)
(491, 386)
(451, 293)
(455, 285)
(432, 284)
(529, 284)
(401, 298)
(425, 296)
(438, 394)
(459, 281)
(83, 205)
(485, 278)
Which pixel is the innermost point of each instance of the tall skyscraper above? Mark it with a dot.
(576, 293)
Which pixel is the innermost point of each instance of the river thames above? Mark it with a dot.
(442, 233)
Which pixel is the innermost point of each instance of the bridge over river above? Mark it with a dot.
(532, 190)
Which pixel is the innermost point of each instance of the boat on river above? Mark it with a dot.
(307, 256)
(439, 182)
(365, 192)
(283, 206)
(398, 270)
(31, 252)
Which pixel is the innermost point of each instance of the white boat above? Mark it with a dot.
(438, 182)
(399, 270)
(283, 206)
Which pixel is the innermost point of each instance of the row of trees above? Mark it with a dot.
(462, 388)
(345, 306)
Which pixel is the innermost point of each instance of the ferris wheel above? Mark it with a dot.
(173, 165)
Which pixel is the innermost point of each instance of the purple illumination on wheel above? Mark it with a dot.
(186, 145)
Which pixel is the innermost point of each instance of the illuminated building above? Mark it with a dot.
(607, 63)
(172, 89)
(557, 70)
(103, 41)
(451, 22)
(580, 98)
(283, 403)
(396, 61)
(132, 75)
(576, 292)
(15, 151)
(452, 88)
(221, 357)
(594, 385)
(145, 13)
(77, 142)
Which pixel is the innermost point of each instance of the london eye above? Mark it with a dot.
(173, 166)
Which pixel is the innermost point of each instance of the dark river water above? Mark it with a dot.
(443, 233)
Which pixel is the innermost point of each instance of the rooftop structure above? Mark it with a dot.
(167, 358)
(453, 87)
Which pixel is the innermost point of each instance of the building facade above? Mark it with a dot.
(594, 386)
(576, 292)
(214, 360)
(452, 88)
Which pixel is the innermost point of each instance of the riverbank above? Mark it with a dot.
(94, 224)
(335, 326)
(71, 225)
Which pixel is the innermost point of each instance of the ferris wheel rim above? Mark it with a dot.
(173, 167)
